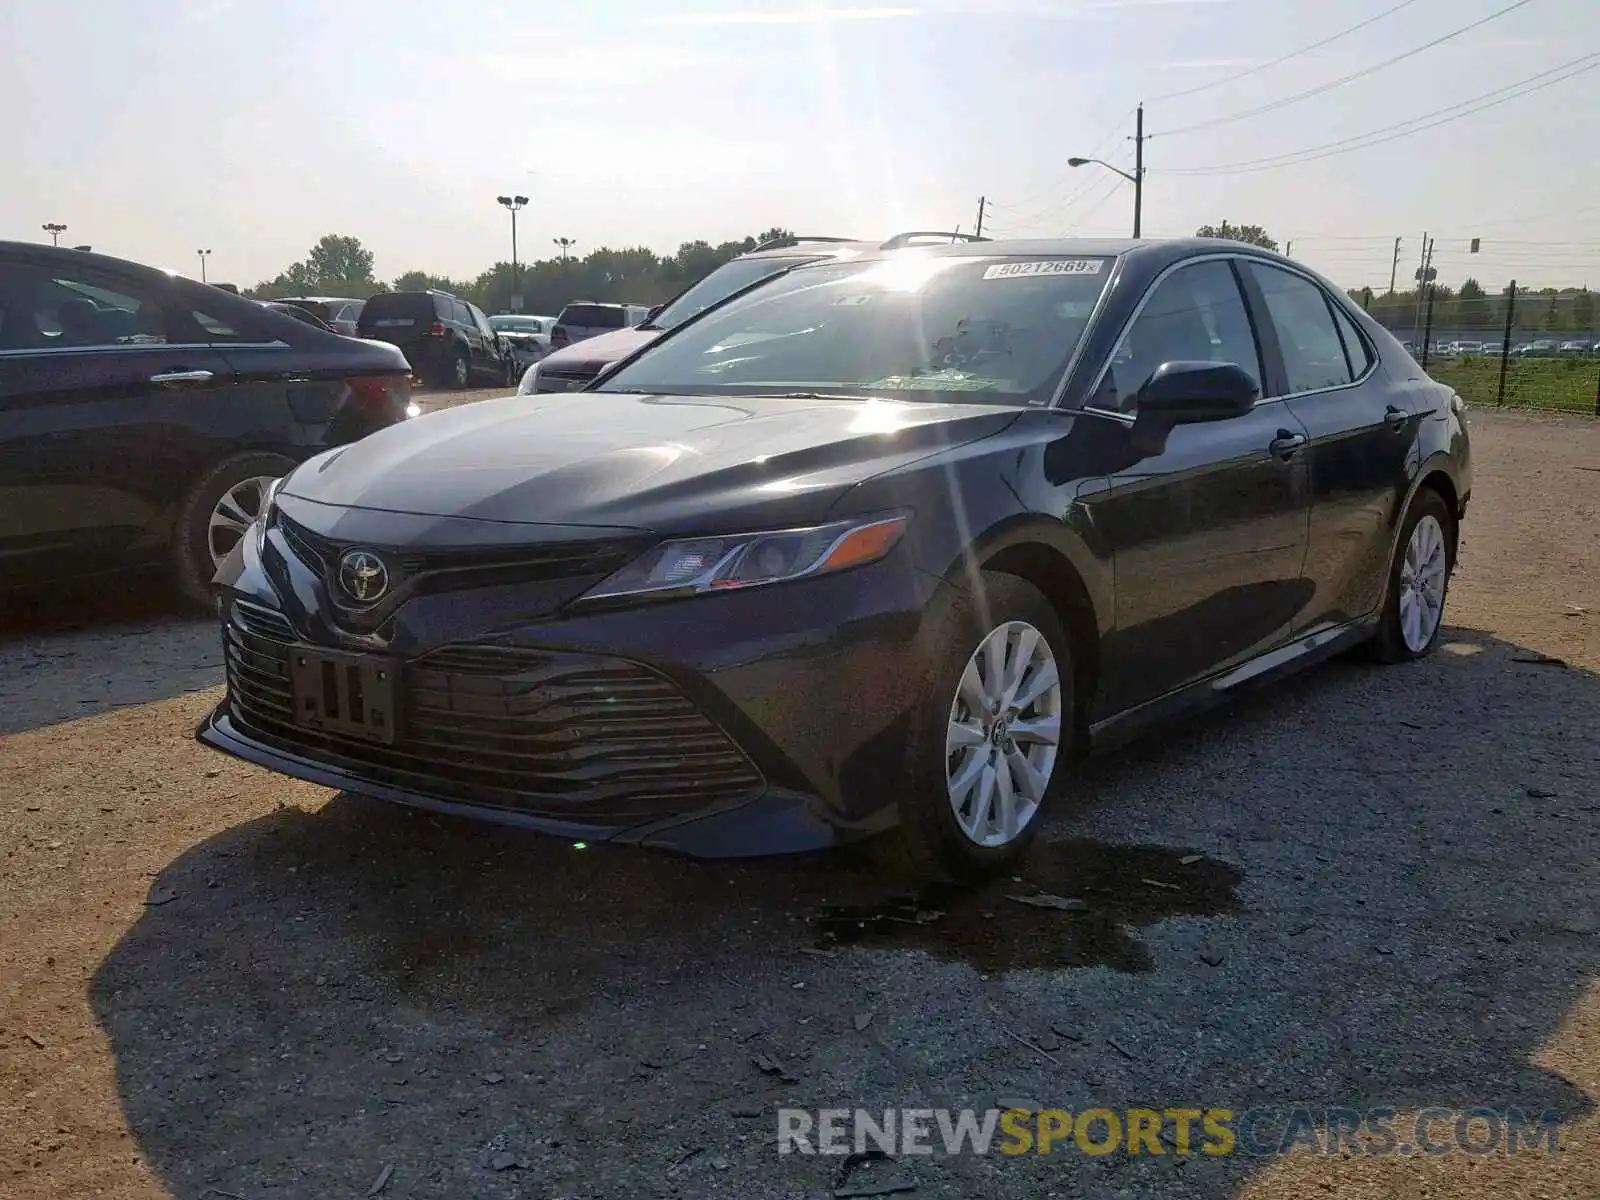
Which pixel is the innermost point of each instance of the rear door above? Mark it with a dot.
(1208, 529)
(488, 340)
(106, 389)
(1363, 428)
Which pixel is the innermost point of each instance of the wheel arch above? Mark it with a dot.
(1077, 584)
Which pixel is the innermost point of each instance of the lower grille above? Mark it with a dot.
(565, 736)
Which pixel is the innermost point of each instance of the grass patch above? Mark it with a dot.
(1562, 384)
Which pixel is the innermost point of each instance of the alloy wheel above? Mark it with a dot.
(239, 506)
(463, 371)
(1003, 735)
(1422, 580)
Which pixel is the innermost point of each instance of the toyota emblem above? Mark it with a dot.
(363, 576)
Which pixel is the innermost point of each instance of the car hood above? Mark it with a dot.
(591, 354)
(665, 463)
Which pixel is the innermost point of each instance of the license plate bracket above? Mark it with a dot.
(349, 694)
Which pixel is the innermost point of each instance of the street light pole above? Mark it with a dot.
(565, 244)
(55, 231)
(514, 205)
(204, 254)
(1137, 178)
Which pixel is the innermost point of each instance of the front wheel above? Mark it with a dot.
(1419, 577)
(996, 714)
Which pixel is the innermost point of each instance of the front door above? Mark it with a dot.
(1208, 530)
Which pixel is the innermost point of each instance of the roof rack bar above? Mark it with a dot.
(796, 239)
(905, 239)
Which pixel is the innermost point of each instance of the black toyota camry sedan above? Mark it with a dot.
(879, 543)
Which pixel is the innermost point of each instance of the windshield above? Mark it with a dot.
(515, 325)
(719, 285)
(998, 329)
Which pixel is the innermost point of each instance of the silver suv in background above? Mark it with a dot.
(589, 318)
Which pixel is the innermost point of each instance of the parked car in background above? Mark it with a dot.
(1494, 349)
(448, 341)
(339, 313)
(881, 541)
(1572, 349)
(1543, 348)
(528, 337)
(584, 319)
(575, 367)
(144, 417)
(304, 315)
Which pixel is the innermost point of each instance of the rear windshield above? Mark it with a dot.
(397, 309)
(516, 324)
(594, 316)
(316, 307)
(995, 330)
(720, 284)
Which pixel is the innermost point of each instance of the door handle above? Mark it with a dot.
(1395, 418)
(1285, 444)
(175, 377)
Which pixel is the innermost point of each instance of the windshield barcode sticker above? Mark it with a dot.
(1056, 266)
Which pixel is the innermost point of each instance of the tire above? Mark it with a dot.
(513, 371)
(933, 843)
(195, 539)
(1398, 638)
(460, 377)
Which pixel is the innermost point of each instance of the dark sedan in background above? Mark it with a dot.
(143, 415)
(879, 542)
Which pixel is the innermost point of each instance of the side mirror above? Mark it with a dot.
(1178, 393)
(653, 313)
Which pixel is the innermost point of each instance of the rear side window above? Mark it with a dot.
(1313, 352)
(593, 316)
(397, 310)
(1355, 346)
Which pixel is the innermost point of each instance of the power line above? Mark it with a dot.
(1379, 136)
(1293, 54)
(1285, 101)
(1051, 196)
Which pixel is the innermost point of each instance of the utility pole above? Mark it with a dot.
(1423, 289)
(55, 231)
(1288, 248)
(514, 205)
(1138, 170)
(565, 244)
(1394, 266)
(204, 254)
(982, 201)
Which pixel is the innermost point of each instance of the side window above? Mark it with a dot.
(481, 321)
(218, 329)
(1313, 354)
(1355, 346)
(463, 315)
(42, 311)
(1196, 314)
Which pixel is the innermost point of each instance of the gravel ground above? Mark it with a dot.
(216, 982)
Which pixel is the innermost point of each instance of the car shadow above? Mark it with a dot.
(70, 652)
(1360, 887)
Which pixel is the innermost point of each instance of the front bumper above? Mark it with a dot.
(768, 721)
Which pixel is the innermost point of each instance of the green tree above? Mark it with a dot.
(1583, 311)
(1252, 234)
(1472, 306)
(340, 258)
(422, 281)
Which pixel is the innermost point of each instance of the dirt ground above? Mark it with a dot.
(1363, 887)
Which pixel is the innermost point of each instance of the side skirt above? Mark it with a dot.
(1304, 651)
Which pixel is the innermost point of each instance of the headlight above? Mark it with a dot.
(530, 380)
(269, 504)
(696, 565)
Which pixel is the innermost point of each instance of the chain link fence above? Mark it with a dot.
(1513, 366)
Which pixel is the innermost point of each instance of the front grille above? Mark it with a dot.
(450, 570)
(560, 735)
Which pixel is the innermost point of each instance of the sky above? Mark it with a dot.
(155, 128)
